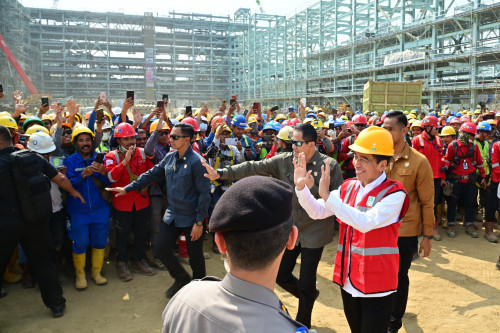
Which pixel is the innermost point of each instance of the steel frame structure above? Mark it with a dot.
(330, 50)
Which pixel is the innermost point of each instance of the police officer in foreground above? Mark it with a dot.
(16, 226)
(254, 237)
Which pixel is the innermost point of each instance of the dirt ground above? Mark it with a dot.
(456, 289)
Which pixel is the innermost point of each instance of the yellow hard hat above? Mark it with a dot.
(406, 112)
(411, 116)
(477, 111)
(36, 128)
(78, 117)
(308, 120)
(413, 112)
(280, 117)
(251, 120)
(469, 113)
(321, 114)
(317, 123)
(179, 117)
(4, 113)
(285, 133)
(52, 129)
(492, 122)
(154, 125)
(9, 122)
(80, 130)
(225, 128)
(448, 130)
(374, 141)
(416, 123)
(344, 118)
(23, 116)
(411, 121)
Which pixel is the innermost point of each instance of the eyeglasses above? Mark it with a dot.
(299, 143)
(177, 137)
(164, 133)
(67, 132)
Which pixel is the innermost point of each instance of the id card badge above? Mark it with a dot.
(465, 165)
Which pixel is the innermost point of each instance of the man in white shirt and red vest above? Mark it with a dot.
(369, 209)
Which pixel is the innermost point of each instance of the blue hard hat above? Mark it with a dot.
(339, 122)
(269, 126)
(484, 126)
(459, 114)
(239, 121)
(311, 115)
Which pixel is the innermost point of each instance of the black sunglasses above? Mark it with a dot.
(164, 133)
(67, 132)
(299, 143)
(177, 137)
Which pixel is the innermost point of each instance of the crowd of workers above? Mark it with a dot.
(146, 186)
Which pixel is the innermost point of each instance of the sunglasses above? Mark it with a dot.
(67, 132)
(177, 137)
(299, 143)
(164, 133)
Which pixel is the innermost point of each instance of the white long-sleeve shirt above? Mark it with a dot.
(384, 213)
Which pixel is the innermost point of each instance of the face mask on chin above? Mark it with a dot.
(105, 136)
(122, 149)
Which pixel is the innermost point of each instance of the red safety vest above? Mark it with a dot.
(374, 255)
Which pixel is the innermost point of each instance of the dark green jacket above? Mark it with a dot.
(312, 233)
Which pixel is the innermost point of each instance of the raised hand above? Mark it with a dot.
(324, 182)
(300, 173)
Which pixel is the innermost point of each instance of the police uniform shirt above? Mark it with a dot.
(231, 305)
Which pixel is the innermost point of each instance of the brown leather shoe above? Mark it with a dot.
(123, 272)
(143, 267)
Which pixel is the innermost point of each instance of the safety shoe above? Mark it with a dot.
(160, 265)
(3, 293)
(143, 267)
(435, 235)
(451, 232)
(178, 284)
(123, 272)
(58, 311)
(471, 231)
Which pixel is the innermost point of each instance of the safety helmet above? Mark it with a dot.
(224, 128)
(9, 122)
(124, 130)
(269, 126)
(36, 128)
(406, 112)
(311, 115)
(464, 119)
(47, 117)
(41, 142)
(431, 121)
(477, 112)
(414, 112)
(192, 122)
(455, 120)
(492, 122)
(30, 120)
(23, 116)
(217, 120)
(279, 117)
(411, 121)
(106, 126)
(468, 127)
(317, 123)
(87, 115)
(154, 125)
(447, 130)
(373, 120)
(252, 120)
(470, 113)
(179, 118)
(78, 117)
(308, 120)
(375, 141)
(484, 126)
(322, 114)
(359, 120)
(83, 129)
(239, 121)
(411, 116)
(285, 133)
(416, 123)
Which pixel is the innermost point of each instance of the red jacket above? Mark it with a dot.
(344, 150)
(495, 163)
(435, 155)
(476, 162)
(373, 256)
(119, 176)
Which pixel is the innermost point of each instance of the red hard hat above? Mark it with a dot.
(454, 120)
(191, 122)
(217, 120)
(468, 127)
(359, 119)
(431, 121)
(124, 130)
(464, 119)
(293, 122)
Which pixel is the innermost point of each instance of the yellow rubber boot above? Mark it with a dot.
(79, 262)
(10, 275)
(97, 262)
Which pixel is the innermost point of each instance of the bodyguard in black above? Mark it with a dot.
(34, 237)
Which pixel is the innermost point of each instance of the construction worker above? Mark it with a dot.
(131, 211)
(369, 209)
(447, 135)
(429, 144)
(455, 123)
(482, 142)
(346, 155)
(416, 128)
(10, 123)
(283, 142)
(238, 126)
(324, 145)
(462, 159)
(89, 220)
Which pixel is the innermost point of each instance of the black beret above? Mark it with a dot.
(253, 204)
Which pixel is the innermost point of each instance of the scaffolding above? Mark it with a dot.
(330, 50)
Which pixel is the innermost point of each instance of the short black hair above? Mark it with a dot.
(5, 136)
(308, 132)
(141, 131)
(380, 158)
(256, 250)
(186, 129)
(399, 115)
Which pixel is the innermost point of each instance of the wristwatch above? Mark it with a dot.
(429, 237)
(199, 223)
(220, 172)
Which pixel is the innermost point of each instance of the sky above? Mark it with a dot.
(163, 7)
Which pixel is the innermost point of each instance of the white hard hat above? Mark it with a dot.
(41, 143)
(106, 126)
(117, 110)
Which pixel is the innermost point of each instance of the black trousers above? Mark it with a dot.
(407, 248)
(438, 195)
(138, 222)
(165, 242)
(36, 242)
(367, 314)
(304, 288)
